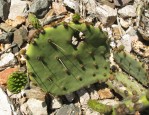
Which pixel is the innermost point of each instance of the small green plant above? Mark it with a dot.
(76, 18)
(16, 82)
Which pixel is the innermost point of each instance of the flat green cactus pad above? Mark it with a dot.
(136, 69)
(67, 57)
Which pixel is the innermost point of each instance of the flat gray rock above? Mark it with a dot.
(39, 7)
(68, 110)
(127, 11)
(18, 8)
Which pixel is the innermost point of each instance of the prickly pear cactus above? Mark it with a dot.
(126, 107)
(64, 58)
(125, 86)
(16, 82)
(135, 68)
(101, 108)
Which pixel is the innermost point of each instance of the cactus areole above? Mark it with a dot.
(64, 58)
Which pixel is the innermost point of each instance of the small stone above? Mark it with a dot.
(6, 27)
(56, 103)
(127, 11)
(58, 8)
(131, 31)
(6, 37)
(84, 97)
(106, 15)
(20, 36)
(91, 112)
(144, 34)
(116, 31)
(72, 4)
(124, 23)
(4, 9)
(7, 60)
(24, 109)
(69, 110)
(18, 8)
(5, 107)
(36, 93)
(39, 7)
(37, 107)
(140, 48)
(105, 94)
(70, 97)
(15, 49)
(5, 74)
(126, 42)
(18, 21)
(121, 2)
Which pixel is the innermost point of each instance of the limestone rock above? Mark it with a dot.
(127, 11)
(106, 14)
(37, 107)
(7, 59)
(5, 107)
(72, 4)
(18, 8)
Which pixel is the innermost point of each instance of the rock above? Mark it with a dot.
(6, 27)
(37, 107)
(106, 14)
(144, 34)
(127, 11)
(70, 97)
(116, 32)
(4, 9)
(56, 103)
(69, 110)
(131, 31)
(6, 37)
(91, 112)
(72, 4)
(7, 60)
(18, 8)
(18, 21)
(5, 74)
(36, 93)
(84, 97)
(20, 36)
(15, 49)
(140, 48)
(121, 2)
(105, 94)
(126, 42)
(5, 106)
(124, 23)
(58, 8)
(24, 109)
(39, 7)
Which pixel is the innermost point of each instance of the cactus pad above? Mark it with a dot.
(136, 69)
(64, 58)
(16, 82)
